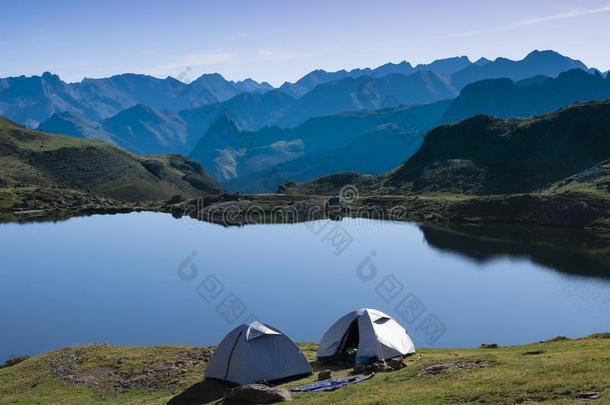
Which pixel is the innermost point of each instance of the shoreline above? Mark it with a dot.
(558, 370)
(567, 211)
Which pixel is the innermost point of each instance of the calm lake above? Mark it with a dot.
(150, 279)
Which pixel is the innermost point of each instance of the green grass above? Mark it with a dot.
(31, 158)
(561, 370)
(7, 198)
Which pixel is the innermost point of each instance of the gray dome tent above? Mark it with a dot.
(374, 334)
(256, 352)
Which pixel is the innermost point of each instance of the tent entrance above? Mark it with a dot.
(349, 344)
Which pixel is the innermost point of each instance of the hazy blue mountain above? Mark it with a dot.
(317, 147)
(446, 66)
(27, 100)
(311, 80)
(147, 115)
(31, 100)
(103, 98)
(73, 124)
(403, 68)
(317, 77)
(391, 145)
(252, 86)
(540, 79)
(547, 63)
(253, 111)
(250, 110)
(482, 61)
(149, 131)
(141, 129)
(213, 88)
(506, 99)
(367, 93)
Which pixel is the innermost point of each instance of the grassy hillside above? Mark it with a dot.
(36, 159)
(559, 371)
(485, 155)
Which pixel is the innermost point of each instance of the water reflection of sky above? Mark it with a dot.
(114, 279)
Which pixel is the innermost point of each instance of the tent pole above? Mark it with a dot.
(231, 355)
(379, 351)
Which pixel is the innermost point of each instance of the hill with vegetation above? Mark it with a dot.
(36, 159)
(485, 155)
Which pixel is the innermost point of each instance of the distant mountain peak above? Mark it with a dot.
(209, 77)
(482, 61)
(140, 107)
(50, 76)
(543, 54)
(225, 123)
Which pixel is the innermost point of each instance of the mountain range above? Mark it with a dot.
(376, 141)
(441, 67)
(561, 152)
(31, 100)
(505, 98)
(143, 129)
(368, 141)
(252, 137)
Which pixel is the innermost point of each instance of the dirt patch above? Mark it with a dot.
(532, 352)
(109, 379)
(460, 366)
(65, 364)
(588, 395)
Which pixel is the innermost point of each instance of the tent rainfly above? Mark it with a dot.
(374, 335)
(256, 352)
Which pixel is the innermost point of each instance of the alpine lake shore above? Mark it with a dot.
(578, 209)
(557, 371)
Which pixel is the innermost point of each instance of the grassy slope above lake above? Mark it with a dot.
(35, 159)
(555, 372)
(553, 169)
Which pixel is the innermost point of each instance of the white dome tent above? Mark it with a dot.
(256, 352)
(374, 334)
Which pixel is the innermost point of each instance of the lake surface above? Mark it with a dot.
(148, 279)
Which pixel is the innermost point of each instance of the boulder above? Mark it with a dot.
(396, 363)
(588, 395)
(325, 375)
(257, 394)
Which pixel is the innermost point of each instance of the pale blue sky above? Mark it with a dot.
(282, 40)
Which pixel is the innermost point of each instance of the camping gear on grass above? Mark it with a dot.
(331, 385)
(374, 335)
(256, 352)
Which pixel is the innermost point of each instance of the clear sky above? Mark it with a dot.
(282, 40)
